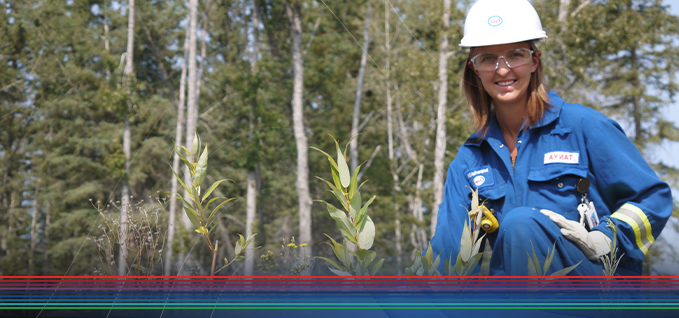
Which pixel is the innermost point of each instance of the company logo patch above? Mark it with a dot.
(495, 20)
(480, 177)
(479, 180)
(562, 157)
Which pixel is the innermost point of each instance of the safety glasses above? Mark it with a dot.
(490, 61)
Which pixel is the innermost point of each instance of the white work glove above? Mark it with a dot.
(594, 244)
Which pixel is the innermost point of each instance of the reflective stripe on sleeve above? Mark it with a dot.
(636, 218)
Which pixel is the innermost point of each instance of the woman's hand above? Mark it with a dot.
(594, 244)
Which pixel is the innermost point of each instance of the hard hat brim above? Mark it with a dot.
(476, 40)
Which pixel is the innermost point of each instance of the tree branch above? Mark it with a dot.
(366, 120)
(370, 161)
(452, 53)
(580, 7)
(313, 33)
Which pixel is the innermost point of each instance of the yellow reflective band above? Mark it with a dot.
(634, 226)
(636, 218)
(644, 219)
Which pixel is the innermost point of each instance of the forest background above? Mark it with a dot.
(94, 96)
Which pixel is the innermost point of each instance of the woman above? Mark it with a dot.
(533, 156)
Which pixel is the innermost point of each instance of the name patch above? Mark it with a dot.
(480, 177)
(562, 157)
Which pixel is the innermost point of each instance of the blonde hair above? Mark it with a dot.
(478, 99)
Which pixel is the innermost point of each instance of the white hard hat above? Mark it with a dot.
(492, 22)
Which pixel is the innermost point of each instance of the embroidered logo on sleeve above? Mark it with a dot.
(562, 157)
(480, 177)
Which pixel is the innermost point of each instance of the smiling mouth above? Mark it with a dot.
(506, 83)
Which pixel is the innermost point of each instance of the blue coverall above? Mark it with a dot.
(570, 142)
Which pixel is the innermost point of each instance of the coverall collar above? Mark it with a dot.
(551, 114)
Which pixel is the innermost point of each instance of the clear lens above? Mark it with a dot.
(513, 58)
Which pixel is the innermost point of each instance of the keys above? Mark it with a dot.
(583, 207)
(582, 210)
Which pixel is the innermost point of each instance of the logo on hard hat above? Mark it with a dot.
(494, 21)
(479, 180)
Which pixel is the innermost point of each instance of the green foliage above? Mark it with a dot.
(239, 250)
(611, 261)
(196, 208)
(535, 269)
(470, 244)
(424, 265)
(354, 223)
(345, 267)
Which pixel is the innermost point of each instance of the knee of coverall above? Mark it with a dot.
(522, 222)
(521, 230)
(524, 230)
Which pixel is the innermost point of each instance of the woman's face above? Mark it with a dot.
(507, 85)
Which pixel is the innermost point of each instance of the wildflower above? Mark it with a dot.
(302, 245)
(293, 245)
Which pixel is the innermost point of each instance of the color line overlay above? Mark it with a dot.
(336, 296)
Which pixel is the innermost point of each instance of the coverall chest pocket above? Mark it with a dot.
(554, 187)
(493, 197)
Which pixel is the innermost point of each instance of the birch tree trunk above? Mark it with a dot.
(390, 137)
(203, 56)
(293, 12)
(353, 145)
(564, 5)
(440, 148)
(107, 38)
(46, 236)
(167, 271)
(251, 194)
(34, 232)
(417, 212)
(192, 107)
(127, 140)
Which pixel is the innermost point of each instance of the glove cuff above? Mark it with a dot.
(602, 243)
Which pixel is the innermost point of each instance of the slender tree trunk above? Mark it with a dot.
(4, 251)
(561, 65)
(203, 55)
(107, 38)
(293, 12)
(167, 271)
(353, 145)
(192, 107)
(251, 195)
(422, 234)
(125, 203)
(34, 233)
(564, 5)
(48, 221)
(251, 211)
(127, 140)
(390, 138)
(440, 148)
